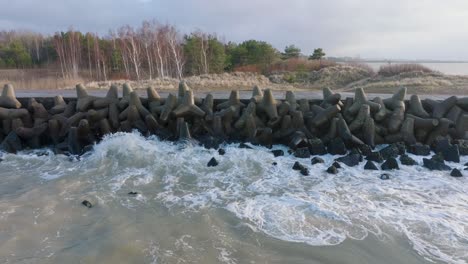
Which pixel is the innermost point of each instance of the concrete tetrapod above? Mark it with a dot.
(8, 97)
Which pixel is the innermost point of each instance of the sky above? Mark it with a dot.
(391, 29)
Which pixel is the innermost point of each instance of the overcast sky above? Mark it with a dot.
(405, 29)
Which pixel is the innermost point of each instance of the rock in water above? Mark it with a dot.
(336, 147)
(370, 166)
(375, 156)
(87, 203)
(407, 160)
(316, 160)
(305, 171)
(391, 151)
(336, 165)
(297, 166)
(212, 163)
(332, 170)
(451, 153)
(317, 147)
(221, 151)
(385, 176)
(245, 146)
(434, 164)
(419, 149)
(390, 164)
(302, 153)
(277, 152)
(350, 160)
(456, 173)
(132, 193)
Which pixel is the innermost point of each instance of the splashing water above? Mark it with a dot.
(243, 210)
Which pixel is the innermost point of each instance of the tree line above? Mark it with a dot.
(152, 50)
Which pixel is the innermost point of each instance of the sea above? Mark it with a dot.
(156, 201)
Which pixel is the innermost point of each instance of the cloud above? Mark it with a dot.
(369, 28)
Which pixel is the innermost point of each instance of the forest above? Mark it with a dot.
(151, 50)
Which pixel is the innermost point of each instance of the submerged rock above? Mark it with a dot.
(317, 147)
(221, 151)
(332, 170)
(336, 165)
(385, 176)
(132, 193)
(305, 171)
(87, 203)
(350, 160)
(419, 149)
(434, 164)
(456, 173)
(336, 147)
(212, 163)
(375, 156)
(407, 160)
(391, 151)
(277, 152)
(390, 164)
(316, 160)
(302, 153)
(370, 166)
(451, 153)
(244, 146)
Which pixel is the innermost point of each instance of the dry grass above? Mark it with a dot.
(362, 66)
(396, 69)
(36, 79)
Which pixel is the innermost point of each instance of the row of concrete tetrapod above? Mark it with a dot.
(332, 125)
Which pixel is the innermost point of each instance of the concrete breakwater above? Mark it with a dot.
(309, 127)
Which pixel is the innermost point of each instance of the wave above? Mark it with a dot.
(429, 208)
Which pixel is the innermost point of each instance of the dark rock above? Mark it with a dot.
(456, 173)
(316, 160)
(277, 152)
(132, 193)
(463, 150)
(221, 151)
(401, 147)
(440, 144)
(390, 164)
(370, 166)
(451, 153)
(275, 163)
(438, 158)
(375, 156)
(385, 176)
(391, 151)
(317, 147)
(466, 164)
(365, 149)
(212, 163)
(419, 149)
(336, 147)
(210, 142)
(87, 203)
(356, 151)
(332, 170)
(12, 143)
(305, 171)
(350, 160)
(407, 160)
(302, 153)
(244, 146)
(434, 164)
(297, 166)
(336, 165)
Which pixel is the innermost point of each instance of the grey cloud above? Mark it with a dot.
(369, 28)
